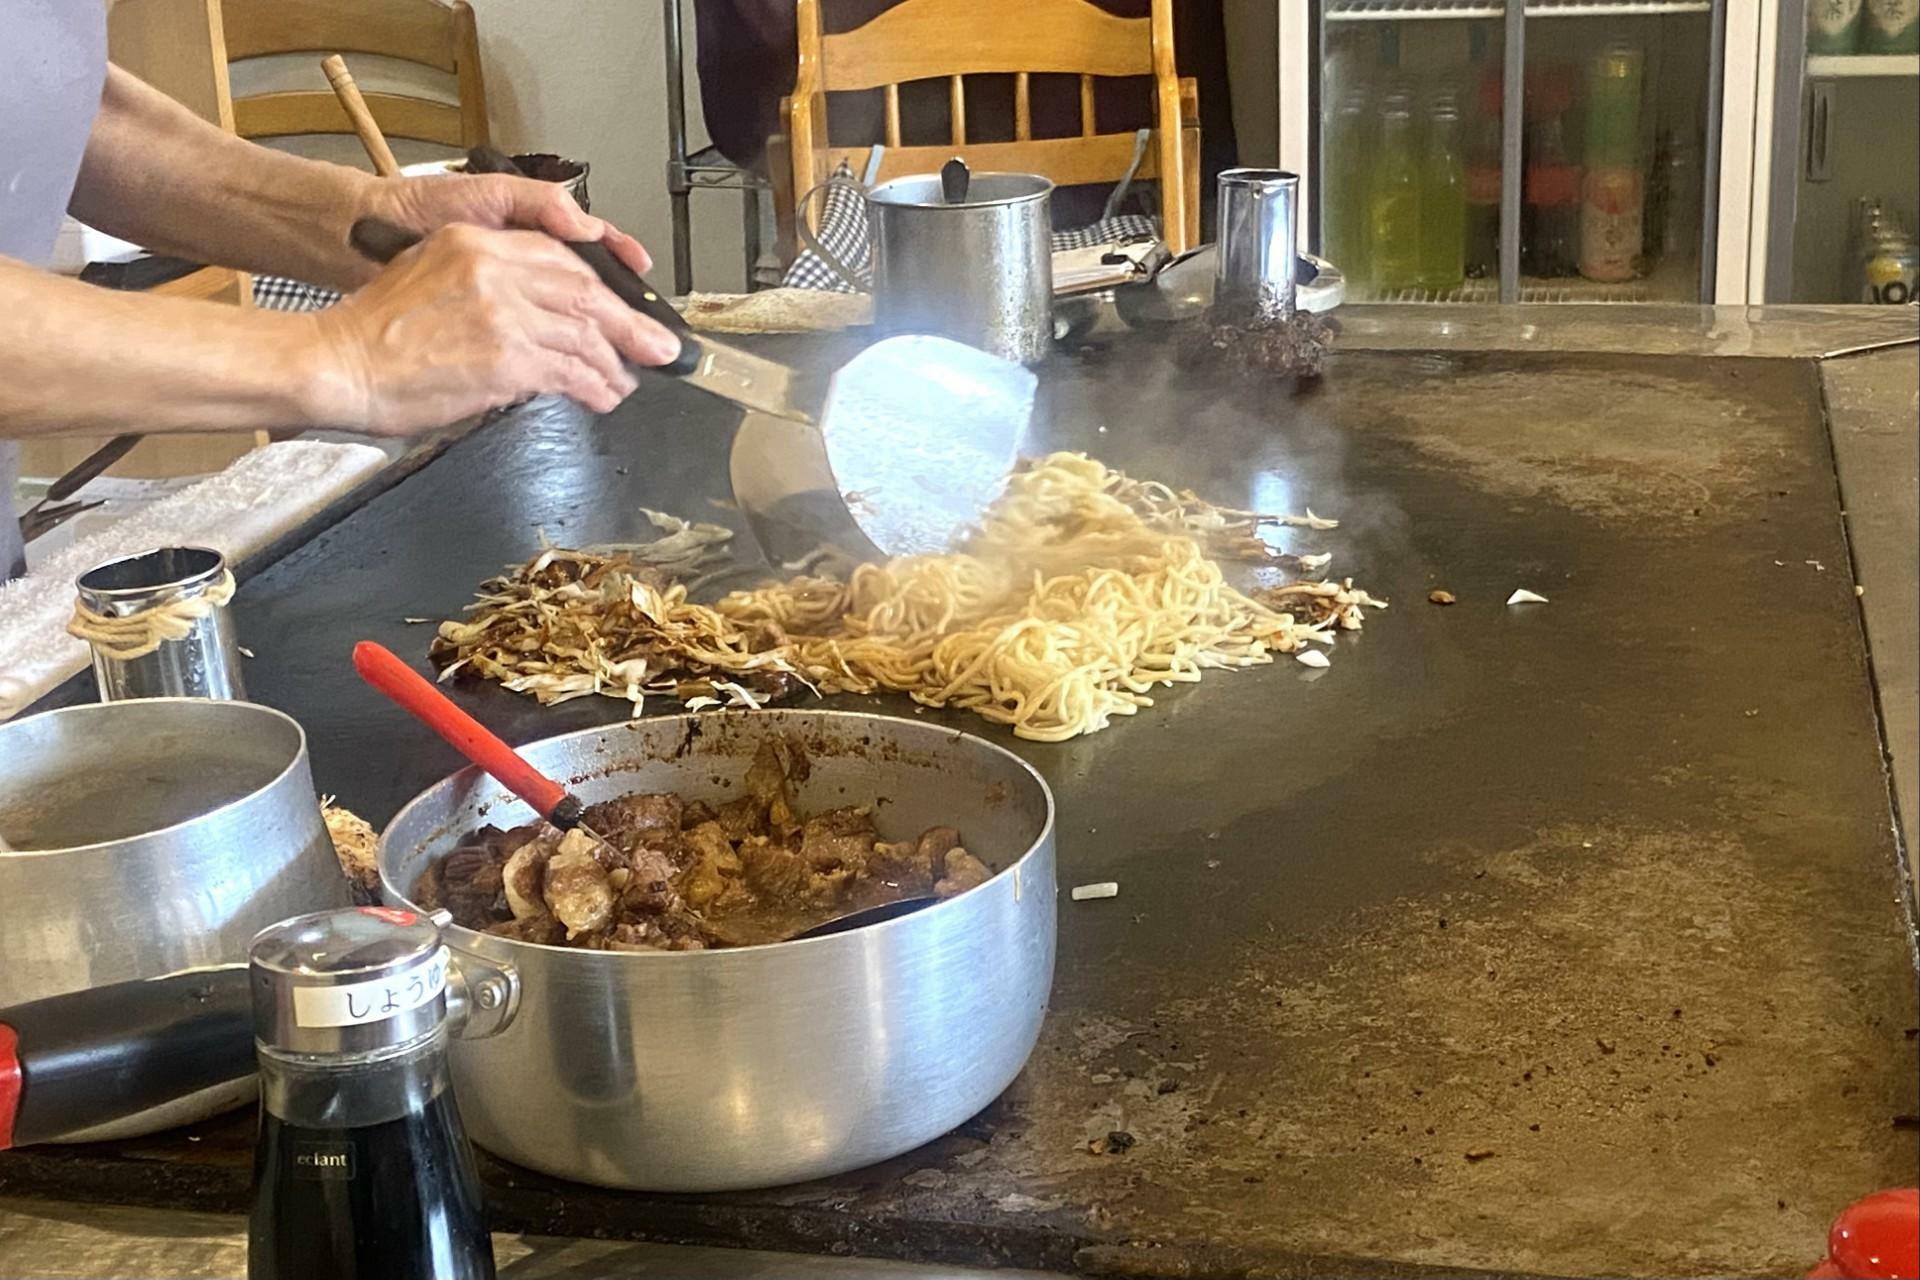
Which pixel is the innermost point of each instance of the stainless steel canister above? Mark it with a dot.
(979, 270)
(203, 663)
(1254, 281)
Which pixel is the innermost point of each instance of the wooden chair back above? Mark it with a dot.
(953, 39)
(439, 34)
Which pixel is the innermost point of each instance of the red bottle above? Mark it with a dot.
(1550, 220)
(1483, 182)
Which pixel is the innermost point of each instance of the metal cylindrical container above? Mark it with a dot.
(979, 271)
(1254, 281)
(204, 662)
(764, 1065)
(150, 837)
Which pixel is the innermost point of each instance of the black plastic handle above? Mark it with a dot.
(382, 242)
(955, 178)
(72, 1062)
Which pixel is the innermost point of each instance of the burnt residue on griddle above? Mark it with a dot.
(1292, 346)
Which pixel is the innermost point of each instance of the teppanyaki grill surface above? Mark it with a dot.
(1560, 938)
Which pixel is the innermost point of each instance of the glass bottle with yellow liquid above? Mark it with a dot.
(1443, 200)
(1393, 200)
(1349, 142)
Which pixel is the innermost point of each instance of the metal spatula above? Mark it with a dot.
(917, 437)
(919, 432)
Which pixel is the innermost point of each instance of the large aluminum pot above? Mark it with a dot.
(719, 1070)
(149, 837)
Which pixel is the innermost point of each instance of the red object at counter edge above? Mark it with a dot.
(1877, 1238)
(9, 1084)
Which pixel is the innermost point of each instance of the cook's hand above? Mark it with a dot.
(473, 319)
(501, 201)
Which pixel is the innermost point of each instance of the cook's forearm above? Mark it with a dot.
(75, 359)
(160, 176)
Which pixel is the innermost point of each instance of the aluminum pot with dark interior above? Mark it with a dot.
(148, 838)
(757, 1066)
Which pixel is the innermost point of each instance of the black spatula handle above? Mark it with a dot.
(382, 242)
(627, 284)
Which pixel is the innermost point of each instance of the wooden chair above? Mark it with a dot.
(953, 39)
(431, 33)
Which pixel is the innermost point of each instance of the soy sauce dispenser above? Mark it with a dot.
(362, 1167)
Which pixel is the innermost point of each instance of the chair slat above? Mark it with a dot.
(1068, 161)
(416, 30)
(1087, 129)
(893, 115)
(922, 42)
(957, 108)
(279, 115)
(1022, 108)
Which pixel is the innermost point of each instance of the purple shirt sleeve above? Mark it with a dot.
(53, 61)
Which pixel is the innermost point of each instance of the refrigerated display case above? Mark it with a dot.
(1841, 191)
(1480, 151)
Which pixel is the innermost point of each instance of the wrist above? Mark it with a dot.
(325, 374)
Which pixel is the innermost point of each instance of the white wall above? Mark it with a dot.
(586, 78)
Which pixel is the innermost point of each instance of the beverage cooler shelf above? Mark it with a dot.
(1397, 10)
(1662, 287)
(1440, 181)
(1402, 10)
(1883, 66)
(1614, 8)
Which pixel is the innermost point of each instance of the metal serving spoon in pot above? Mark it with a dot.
(864, 916)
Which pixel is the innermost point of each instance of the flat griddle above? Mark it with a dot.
(1559, 940)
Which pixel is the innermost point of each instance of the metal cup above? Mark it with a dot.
(205, 663)
(1254, 281)
(979, 271)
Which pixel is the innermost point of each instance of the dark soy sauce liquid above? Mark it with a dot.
(398, 1200)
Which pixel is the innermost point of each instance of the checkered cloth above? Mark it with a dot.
(277, 293)
(843, 233)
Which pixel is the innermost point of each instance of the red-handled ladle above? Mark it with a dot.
(380, 667)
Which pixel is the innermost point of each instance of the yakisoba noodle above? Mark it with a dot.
(1063, 610)
(1081, 591)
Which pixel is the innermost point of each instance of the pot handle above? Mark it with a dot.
(483, 995)
(91, 1057)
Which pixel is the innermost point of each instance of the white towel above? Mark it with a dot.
(239, 511)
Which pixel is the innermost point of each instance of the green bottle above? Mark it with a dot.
(1614, 85)
(1833, 26)
(1343, 221)
(1891, 26)
(1443, 201)
(1393, 200)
